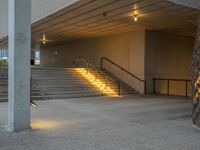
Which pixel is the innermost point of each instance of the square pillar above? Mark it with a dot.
(19, 13)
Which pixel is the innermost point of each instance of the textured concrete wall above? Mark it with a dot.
(168, 56)
(3, 18)
(40, 9)
(196, 79)
(125, 49)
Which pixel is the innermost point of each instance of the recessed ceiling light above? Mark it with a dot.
(44, 39)
(136, 18)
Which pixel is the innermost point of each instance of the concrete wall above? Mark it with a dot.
(3, 18)
(147, 54)
(168, 56)
(125, 49)
(40, 9)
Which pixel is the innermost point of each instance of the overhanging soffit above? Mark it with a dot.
(188, 3)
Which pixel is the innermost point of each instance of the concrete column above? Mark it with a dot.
(19, 64)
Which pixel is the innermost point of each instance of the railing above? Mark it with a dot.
(124, 70)
(98, 73)
(186, 81)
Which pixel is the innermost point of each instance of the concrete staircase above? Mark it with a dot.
(59, 83)
(53, 83)
(3, 84)
(62, 83)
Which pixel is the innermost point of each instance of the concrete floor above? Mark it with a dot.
(102, 123)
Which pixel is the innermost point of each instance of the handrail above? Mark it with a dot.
(104, 58)
(101, 72)
(168, 84)
(173, 79)
(118, 66)
(92, 66)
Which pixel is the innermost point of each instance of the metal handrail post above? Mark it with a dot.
(154, 86)
(119, 89)
(106, 83)
(167, 87)
(96, 74)
(186, 89)
(87, 68)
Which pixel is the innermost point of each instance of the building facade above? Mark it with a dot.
(152, 40)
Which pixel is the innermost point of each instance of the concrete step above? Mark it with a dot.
(60, 84)
(68, 92)
(74, 96)
(72, 87)
(5, 99)
(35, 98)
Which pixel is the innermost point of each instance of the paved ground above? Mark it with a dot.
(131, 123)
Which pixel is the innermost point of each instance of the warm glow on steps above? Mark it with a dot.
(98, 83)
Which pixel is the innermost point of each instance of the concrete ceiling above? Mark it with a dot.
(88, 19)
(188, 3)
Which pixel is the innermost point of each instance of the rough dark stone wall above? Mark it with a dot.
(195, 79)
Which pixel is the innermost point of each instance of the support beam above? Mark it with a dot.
(196, 78)
(19, 64)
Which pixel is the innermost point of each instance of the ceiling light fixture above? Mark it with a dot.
(44, 39)
(136, 18)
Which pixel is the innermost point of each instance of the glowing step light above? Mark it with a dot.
(96, 82)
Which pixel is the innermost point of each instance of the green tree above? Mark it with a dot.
(3, 63)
